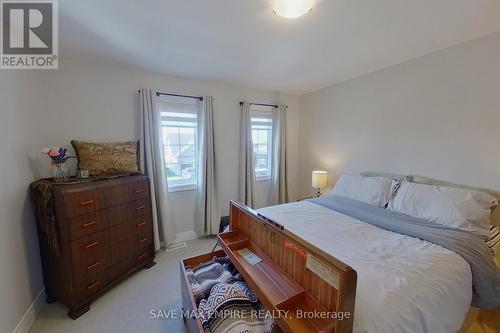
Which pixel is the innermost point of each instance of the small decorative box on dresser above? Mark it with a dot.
(92, 235)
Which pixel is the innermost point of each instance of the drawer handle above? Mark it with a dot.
(141, 224)
(140, 207)
(142, 255)
(139, 190)
(88, 246)
(94, 265)
(93, 285)
(89, 224)
(140, 241)
(86, 203)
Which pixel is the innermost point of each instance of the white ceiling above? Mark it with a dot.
(243, 42)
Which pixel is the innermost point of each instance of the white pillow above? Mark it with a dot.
(457, 208)
(373, 190)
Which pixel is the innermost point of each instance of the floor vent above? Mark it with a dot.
(176, 246)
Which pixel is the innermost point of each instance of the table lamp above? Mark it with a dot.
(319, 181)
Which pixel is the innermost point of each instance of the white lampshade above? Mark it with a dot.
(292, 8)
(319, 179)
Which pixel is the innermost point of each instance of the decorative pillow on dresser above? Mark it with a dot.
(105, 159)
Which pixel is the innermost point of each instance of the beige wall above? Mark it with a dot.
(96, 102)
(22, 104)
(437, 116)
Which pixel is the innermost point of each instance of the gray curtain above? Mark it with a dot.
(279, 176)
(247, 172)
(153, 166)
(207, 214)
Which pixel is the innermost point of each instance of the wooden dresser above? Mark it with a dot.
(103, 233)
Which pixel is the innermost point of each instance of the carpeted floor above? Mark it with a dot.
(126, 308)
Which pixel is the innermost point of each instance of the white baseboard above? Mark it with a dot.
(185, 236)
(31, 313)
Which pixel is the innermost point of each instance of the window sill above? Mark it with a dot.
(262, 178)
(181, 188)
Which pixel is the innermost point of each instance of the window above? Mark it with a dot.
(262, 137)
(179, 118)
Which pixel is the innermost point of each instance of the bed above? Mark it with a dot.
(417, 245)
(398, 256)
(404, 284)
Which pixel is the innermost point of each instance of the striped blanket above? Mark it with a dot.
(226, 304)
(207, 275)
(493, 241)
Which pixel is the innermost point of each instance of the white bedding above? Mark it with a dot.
(404, 284)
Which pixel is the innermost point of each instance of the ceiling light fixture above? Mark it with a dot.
(292, 8)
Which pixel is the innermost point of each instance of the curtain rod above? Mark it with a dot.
(261, 104)
(176, 95)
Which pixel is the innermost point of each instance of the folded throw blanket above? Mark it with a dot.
(233, 308)
(202, 278)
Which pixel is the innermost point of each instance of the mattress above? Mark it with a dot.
(404, 284)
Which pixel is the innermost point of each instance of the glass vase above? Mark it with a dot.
(60, 172)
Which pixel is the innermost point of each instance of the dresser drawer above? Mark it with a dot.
(116, 215)
(141, 224)
(141, 239)
(81, 202)
(117, 234)
(141, 255)
(137, 190)
(113, 195)
(87, 224)
(86, 290)
(118, 252)
(88, 248)
(139, 208)
(119, 269)
(87, 268)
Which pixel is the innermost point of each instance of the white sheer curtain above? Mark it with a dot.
(207, 214)
(247, 172)
(153, 166)
(279, 176)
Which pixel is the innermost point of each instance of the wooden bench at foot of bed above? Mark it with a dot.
(311, 290)
(294, 275)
